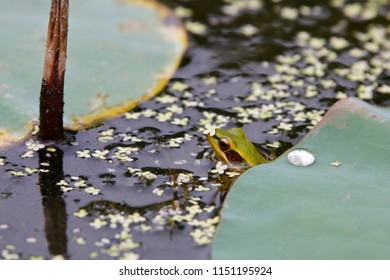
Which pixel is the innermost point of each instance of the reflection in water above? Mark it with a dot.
(54, 207)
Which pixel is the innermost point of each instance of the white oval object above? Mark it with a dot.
(300, 157)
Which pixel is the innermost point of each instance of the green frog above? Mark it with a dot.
(232, 147)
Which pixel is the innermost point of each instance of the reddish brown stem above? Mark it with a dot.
(52, 88)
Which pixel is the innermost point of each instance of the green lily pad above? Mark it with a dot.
(336, 208)
(119, 53)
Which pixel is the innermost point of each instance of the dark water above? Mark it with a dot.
(142, 186)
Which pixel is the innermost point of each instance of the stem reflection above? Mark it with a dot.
(54, 206)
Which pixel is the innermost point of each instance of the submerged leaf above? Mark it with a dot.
(119, 53)
(327, 210)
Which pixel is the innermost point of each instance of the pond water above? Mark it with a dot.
(143, 186)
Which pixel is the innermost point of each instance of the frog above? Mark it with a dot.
(233, 147)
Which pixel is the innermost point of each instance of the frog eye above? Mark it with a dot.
(224, 144)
